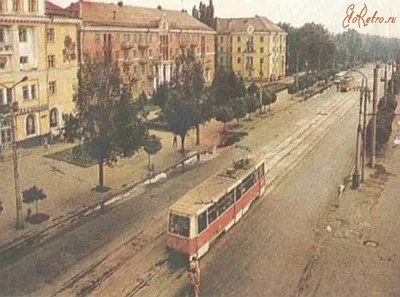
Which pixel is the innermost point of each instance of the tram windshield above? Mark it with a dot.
(179, 225)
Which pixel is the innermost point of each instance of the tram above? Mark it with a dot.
(347, 83)
(213, 207)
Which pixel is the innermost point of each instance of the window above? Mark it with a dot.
(2, 39)
(262, 39)
(202, 222)
(23, 35)
(142, 68)
(97, 38)
(151, 53)
(2, 65)
(23, 60)
(225, 202)
(261, 60)
(238, 38)
(221, 39)
(5, 129)
(221, 60)
(51, 61)
(32, 5)
(50, 35)
(239, 60)
(30, 125)
(2, 97)
(9, 95)
(261, 171)
(239, 49)
(16, 5)
(179, 225)
(212, 212)
(52, 87)
(248, 182)
(53, 118)
(231, 39)
(2, 4)
(33, 91)
(238, 193)
(203, 45)
(135, 54)
(117, 55)
(261, 50)
(25, 92)
(126, 54)
(221, 49)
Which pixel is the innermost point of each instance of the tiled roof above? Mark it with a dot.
(259, 23)
(106, 14)
(55, 10)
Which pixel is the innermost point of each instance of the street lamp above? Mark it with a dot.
(14, 108)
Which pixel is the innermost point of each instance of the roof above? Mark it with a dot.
(259, 23)
(102, 14)
(208, 192)
(55, 10)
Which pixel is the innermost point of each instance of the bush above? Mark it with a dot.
(277, 88)
(292, 89)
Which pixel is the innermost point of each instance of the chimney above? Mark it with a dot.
(120, 3)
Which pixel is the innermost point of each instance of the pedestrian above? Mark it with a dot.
(194, 281)
(196, 265)
(1, 206)
(175, 142)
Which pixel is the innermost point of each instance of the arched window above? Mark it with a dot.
(53, 118)
(31, 125)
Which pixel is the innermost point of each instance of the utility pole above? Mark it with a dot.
(19, 223)
(392, 80)
(356, 174)
(364, 131)
(385, 86)
(297, 71)
(261, 105)
(374, 111)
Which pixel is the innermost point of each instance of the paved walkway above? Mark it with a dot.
(70, 188)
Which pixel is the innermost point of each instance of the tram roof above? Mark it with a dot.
(212, 189)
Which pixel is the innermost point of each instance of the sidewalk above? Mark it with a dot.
(69, 188)
(362, 238)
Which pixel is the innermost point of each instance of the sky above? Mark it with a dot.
(330, 13)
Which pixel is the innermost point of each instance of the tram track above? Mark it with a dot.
(138, 248)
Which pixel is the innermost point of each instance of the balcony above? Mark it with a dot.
(6, 50)
(143, 44)
(128, 61)
(127, 44)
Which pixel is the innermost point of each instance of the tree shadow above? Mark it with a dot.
(37, 218)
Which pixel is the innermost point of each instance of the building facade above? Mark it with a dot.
(38, 40)
(144, 41)
(254, 48)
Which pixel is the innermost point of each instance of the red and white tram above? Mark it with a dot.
(205, 212)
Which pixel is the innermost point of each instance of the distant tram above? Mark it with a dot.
(213, 207)
(347, 83)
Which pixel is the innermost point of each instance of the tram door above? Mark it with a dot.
(238, 196)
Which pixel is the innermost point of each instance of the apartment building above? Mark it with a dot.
(38, 40)
(145, 41)
(254, 48)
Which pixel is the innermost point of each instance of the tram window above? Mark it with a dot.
(261, 170)
(202, 222)
(212, 213)
(225, 202)
(179, 225)
(248, 182)
(238, 192)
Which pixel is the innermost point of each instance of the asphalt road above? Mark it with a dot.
(63, 257)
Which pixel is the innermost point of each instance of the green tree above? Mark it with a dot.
(142, 100)
(179, 113)
(252, 104)
(160, 96)
(224, 115)
(252, 89)
(239, 108)
(33, 195)
(109, 123)
(152, 146)
(266, 98)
